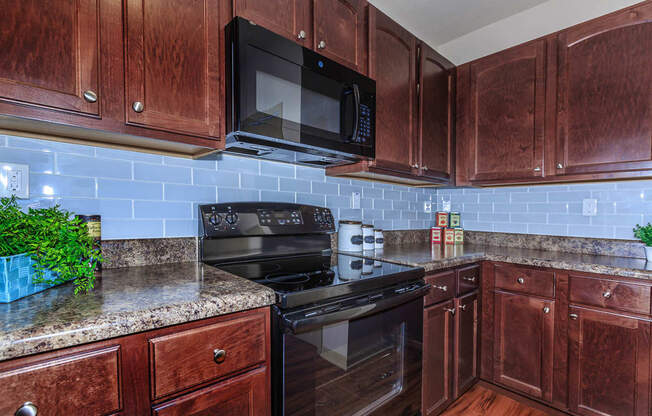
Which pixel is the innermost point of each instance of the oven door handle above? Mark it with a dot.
(356, 96)
(305, 324)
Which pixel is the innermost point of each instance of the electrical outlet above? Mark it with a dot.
(589, 207)
(14, 180)
(355, 200)
(427, 207)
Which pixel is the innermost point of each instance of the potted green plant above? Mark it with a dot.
(644, 233)
(42, 248)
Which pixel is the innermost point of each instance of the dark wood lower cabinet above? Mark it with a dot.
(523, 343)
(438, 333)
(466, 343)
(609, 364)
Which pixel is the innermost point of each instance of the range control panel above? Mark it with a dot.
(263, 218)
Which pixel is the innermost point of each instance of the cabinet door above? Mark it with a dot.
(604, 99)
(523, 350)
(341, 32)
(173, 65)
(506, 115)
(49, 54)
(289, 18)
(609, 364)
(438, 327)
(243, 395)
(393, 66)
(436, 115)
(466, 342)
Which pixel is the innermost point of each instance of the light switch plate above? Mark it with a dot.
(355, 200)
(589, 207)
(14, 180)
(427, 207)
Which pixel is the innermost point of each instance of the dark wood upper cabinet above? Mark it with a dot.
(49, 54)
(436, 114)
(289, 18)
(341, 31)
(174, 56)
(466, 342)
(609, 364)
(604, 95)
(438, 354)
(503, 135)
(523, 343)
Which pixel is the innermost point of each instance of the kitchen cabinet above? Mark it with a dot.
(523, 343)
(289, 18)
(438, 356)
(604, 90)
(609, 364)
(406, 137)
(172, 71)
(51, 59)
(177, 370)
(502, 112)
(466, 342)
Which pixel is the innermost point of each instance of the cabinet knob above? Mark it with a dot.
(302, 34)
(470, 279)
(219, 356)
(560, 166)
(27, 409)
(537, 169)
(462, 307)
(442, 288)
(415, 166)
(520, 281)
(606, 294)
(424, 167)
(90, 96)
(321, 44)
(573, 316)
(546, 309)
(451, 310)
(138, 106)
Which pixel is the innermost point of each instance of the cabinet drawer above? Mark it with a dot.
(525, 280)
(185, 359)
(443, 287)
(468, 279)
(613, 294)
(87, 382)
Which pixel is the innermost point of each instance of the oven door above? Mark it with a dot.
(291, 94)
(368, 364)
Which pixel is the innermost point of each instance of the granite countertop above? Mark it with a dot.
(124, 301)
(439, 257)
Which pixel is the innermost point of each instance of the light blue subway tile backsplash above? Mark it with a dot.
(151, 196)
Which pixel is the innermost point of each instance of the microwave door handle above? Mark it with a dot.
(297, 326)
(356, 97)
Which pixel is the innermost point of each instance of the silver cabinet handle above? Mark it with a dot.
(321, 44)
(415, 166)
(470, 279)
(462, 307)
(606, 294)
(424, 167)
(442, 288)
(138, 106)
(27, 409)
(537, 169)
(573, 316)
(219, 356)
(90, 96)
(451, 310)
(546, 309)
(560, 166)
(302, 34)
(520, 281)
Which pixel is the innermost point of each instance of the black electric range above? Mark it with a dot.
(341, 321)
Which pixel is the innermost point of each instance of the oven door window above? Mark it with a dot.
(287, 101)
(355, 367)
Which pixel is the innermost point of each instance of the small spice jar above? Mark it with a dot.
(435, 235)
(455, 219)
(449, 236)
(349, 236)
(441, 219)
(459, 236)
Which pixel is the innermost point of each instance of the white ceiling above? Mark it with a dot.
(440, 21)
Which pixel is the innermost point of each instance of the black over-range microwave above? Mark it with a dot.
(288, 103)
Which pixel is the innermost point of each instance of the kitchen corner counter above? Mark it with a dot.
(433, 258)
(124, 301)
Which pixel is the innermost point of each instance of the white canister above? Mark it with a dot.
(368, 237)
(379, 240)
(349, 236)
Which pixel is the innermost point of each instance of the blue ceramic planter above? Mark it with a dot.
(16, 273)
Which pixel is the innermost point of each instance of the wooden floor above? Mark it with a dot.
(481, 401)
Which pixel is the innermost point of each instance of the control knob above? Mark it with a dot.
(231, 218)
(215, 219)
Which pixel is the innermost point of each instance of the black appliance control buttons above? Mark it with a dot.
(231, 218)
(215, 219)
